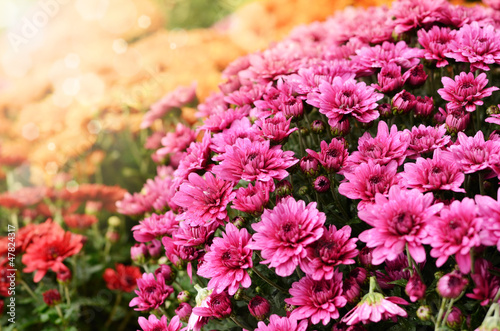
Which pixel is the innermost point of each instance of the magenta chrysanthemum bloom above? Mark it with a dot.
(332, 156)
(284, 233)
(155, 226)
(410, 14)
(217, 305)
(451, 285)
(276, 129)
(486, 283)
(465, 91)
(254, 160)
(252, 199)
(389, 79)
(151, 293)
(176, 141)
(477, 45)
(196, 158)
(219, 121)
(191, 236)
(384, 148)
(367, 180)
(334, 248)
(204, 199)
(227, 261)
(282, 324)
(455, 232)
(346, 97)
(439, 173)
(399, 220)
(473, 153)
(155, 324)
(425, 139)
(375, 308)
(239, 129)
(318, 301)
(489, 212)
(435, 42)
(368, 59)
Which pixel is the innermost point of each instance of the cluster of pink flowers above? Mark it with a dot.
(363, 147)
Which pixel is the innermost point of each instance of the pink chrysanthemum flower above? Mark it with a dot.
(176, 141)
(332, 156)
(187, 235)
(217, 305)
(285, 231)
(374, 307)
(276, 129)
(368, 59)
(473, 153)
(252, 199)
(465, 91)
(219, 121)
(367, 180)
(435, 42)
(438, 173)
(387, 146)
(239, 129)
(282, 324)
(425, 139)
(489, 212)
(410, 14)
(204, 199)
(455, 232)
(334, 248)
(254, 160)
(346, 97)
(486, 283)
(227, 261)
(196, 158)
(477, 45)
(155, 226)
(399, 220)
(317, 301)
(155, 324)
(151, 293)
(389, 79)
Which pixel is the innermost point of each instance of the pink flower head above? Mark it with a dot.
(332, 156)
(399, 220)
(489, 212)
(486, 283)
(403, 102)
(368, 59)
(196, 158)
(276, 129)
(435, 43)
(227, 261)
(155, 226)
(239, 129)
(465, 91)
(220, 121)
(346, 97)
(387, 146)
(389, 78)
(176, 141)
(191, 236)
(284, 233)
(410, 14)
(455, 232)
(425, 139)
(451, 285)
(252, 199)
(375, 308)
(415, 288)
(473, 153)
(438, 173)
(477, 45)
(317, 300)
(334, 248)
(175, 99)
(367, 180)
(154, 324)
(424, 107)
(204, 199)
(151, 293)
(254, 160)
(217, 305)
(283, 324)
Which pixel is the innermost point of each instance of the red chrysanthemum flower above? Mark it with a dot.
(123, 278)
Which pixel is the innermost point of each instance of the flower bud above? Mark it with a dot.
(415, 76)
(451, 285)
(493, 110)
(184, 311)
(113, 236)
(52, 297)
(415, 288)
(424, 107)
(309, 166)
(303, 190)
(184, 296)
(389, 79)
(341, 128)
(167, 272)
(457, 121)
(64, 276)
(220, 305)
(138, 253)
(283, 188)
(351, 290)
(289, 308)
(455, 318)
(360, 274)
(114, 221)
(259, 307)
(403, 102)
(424, 313)
(321, 184)
(154, 248)
(238, 222)
(385, 110)
(318, 126)
(365, 257)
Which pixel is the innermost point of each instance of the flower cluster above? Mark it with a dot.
(347, 152)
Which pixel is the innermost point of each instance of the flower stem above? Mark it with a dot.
(440, 313)
(28, 289)
(66, 293)
(237, 322)
(270, 282)
(113, 310)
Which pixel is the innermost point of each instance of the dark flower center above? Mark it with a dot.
(376, 179)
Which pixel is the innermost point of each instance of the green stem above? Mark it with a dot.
(448, 310)
(66, 293)
(301, 143)
(237, 322)
(59, 312)
(113, 310)
(440, 313)
(28, 289)
(270, 282)
(336, 198)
